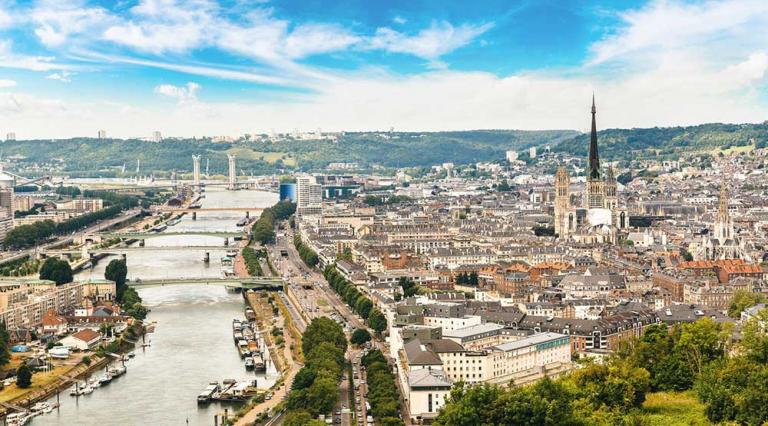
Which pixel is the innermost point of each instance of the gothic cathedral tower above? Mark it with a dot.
(595, 185)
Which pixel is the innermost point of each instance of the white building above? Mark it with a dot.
(157, 136)
(428, 390)
(309, 196)
(532, 152)
(102, 134)
(511, 156)
(10, 137)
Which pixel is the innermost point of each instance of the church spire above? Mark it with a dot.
(594, 157)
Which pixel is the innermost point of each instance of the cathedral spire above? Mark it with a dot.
(594, 157)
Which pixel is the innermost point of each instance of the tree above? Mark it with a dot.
(470, 405)
(117, 271)
(741, 300)
(24, 376)
(346, 254)
(360, 336)
(5, 352)
(323, 330)
(409, 287)
(363, 307)
(56, 270)
(377, 321)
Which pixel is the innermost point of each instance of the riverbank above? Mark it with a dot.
(290, 365)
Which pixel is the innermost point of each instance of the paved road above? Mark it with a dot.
(10, 256)
(308, 300)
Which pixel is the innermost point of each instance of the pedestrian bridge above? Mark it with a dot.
(250, 283)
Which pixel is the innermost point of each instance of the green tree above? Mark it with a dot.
(56, 270)
(360, 336)
(363, 307)
(24, 376)
(117, 271)
(320, 330)
(409, 287)
(741, 300)
(470, 406)
(377, 321)
(5, 342)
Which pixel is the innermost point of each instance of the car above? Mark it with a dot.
(337, 412)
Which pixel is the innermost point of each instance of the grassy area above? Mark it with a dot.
(736, 149)
(269, 157)
(39, 381)
(673, 409)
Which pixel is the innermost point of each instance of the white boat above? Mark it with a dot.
(87, 390)
(40, 407)
(17, 419)
(94, 382)
(105, 378)
(117, 371)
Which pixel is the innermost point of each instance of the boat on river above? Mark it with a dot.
(259, 365)
(207, 394)
(17, 419)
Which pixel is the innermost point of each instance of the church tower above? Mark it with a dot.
(723, 223)
(611, 198)
(595, 189)
(562, 202)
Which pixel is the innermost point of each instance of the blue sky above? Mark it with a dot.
(206, 67)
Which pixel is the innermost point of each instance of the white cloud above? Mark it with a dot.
(4, 84)
(57, 20)
(165, 26)
(63, 76)
(399, 20)
(182, 94)
(664, 26)
(9, 59)
(5, 19)
(430, 43)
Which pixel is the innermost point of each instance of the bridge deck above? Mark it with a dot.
(243, 283)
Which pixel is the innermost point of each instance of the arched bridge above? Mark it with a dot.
(251, 283)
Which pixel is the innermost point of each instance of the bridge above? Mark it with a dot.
(145, 235)
(171, 209)
(251, 283)
(126, 250)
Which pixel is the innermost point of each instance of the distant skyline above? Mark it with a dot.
(203, 67)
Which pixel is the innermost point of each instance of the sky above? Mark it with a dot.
(206, 67)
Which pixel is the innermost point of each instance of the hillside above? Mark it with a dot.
(367, 149)
(667, 142)
(396, 149)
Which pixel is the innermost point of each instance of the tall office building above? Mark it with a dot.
(11, 136)
(309, 196)
(102, 134)
(157, 136)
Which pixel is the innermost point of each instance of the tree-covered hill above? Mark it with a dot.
(667, 142)
(367, 149)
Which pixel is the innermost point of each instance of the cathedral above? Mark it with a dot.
(723, 243)
(599, 218)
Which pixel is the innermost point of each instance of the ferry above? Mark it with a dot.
(242, 348)
(174, 221)
(249, 363)
(161, 228)
(207, 394)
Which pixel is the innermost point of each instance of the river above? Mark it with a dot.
(192, 344)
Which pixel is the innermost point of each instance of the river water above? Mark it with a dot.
(192, 344)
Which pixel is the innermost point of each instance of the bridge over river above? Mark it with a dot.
(251, 283)
(126, 250)
(145, 235)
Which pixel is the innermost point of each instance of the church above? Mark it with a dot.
(723, 243)
(600, 217)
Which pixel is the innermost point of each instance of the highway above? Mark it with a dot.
(317, 300)
(68, 239)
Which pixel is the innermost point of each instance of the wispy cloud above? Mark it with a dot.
(7, 83)
(430, 43)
